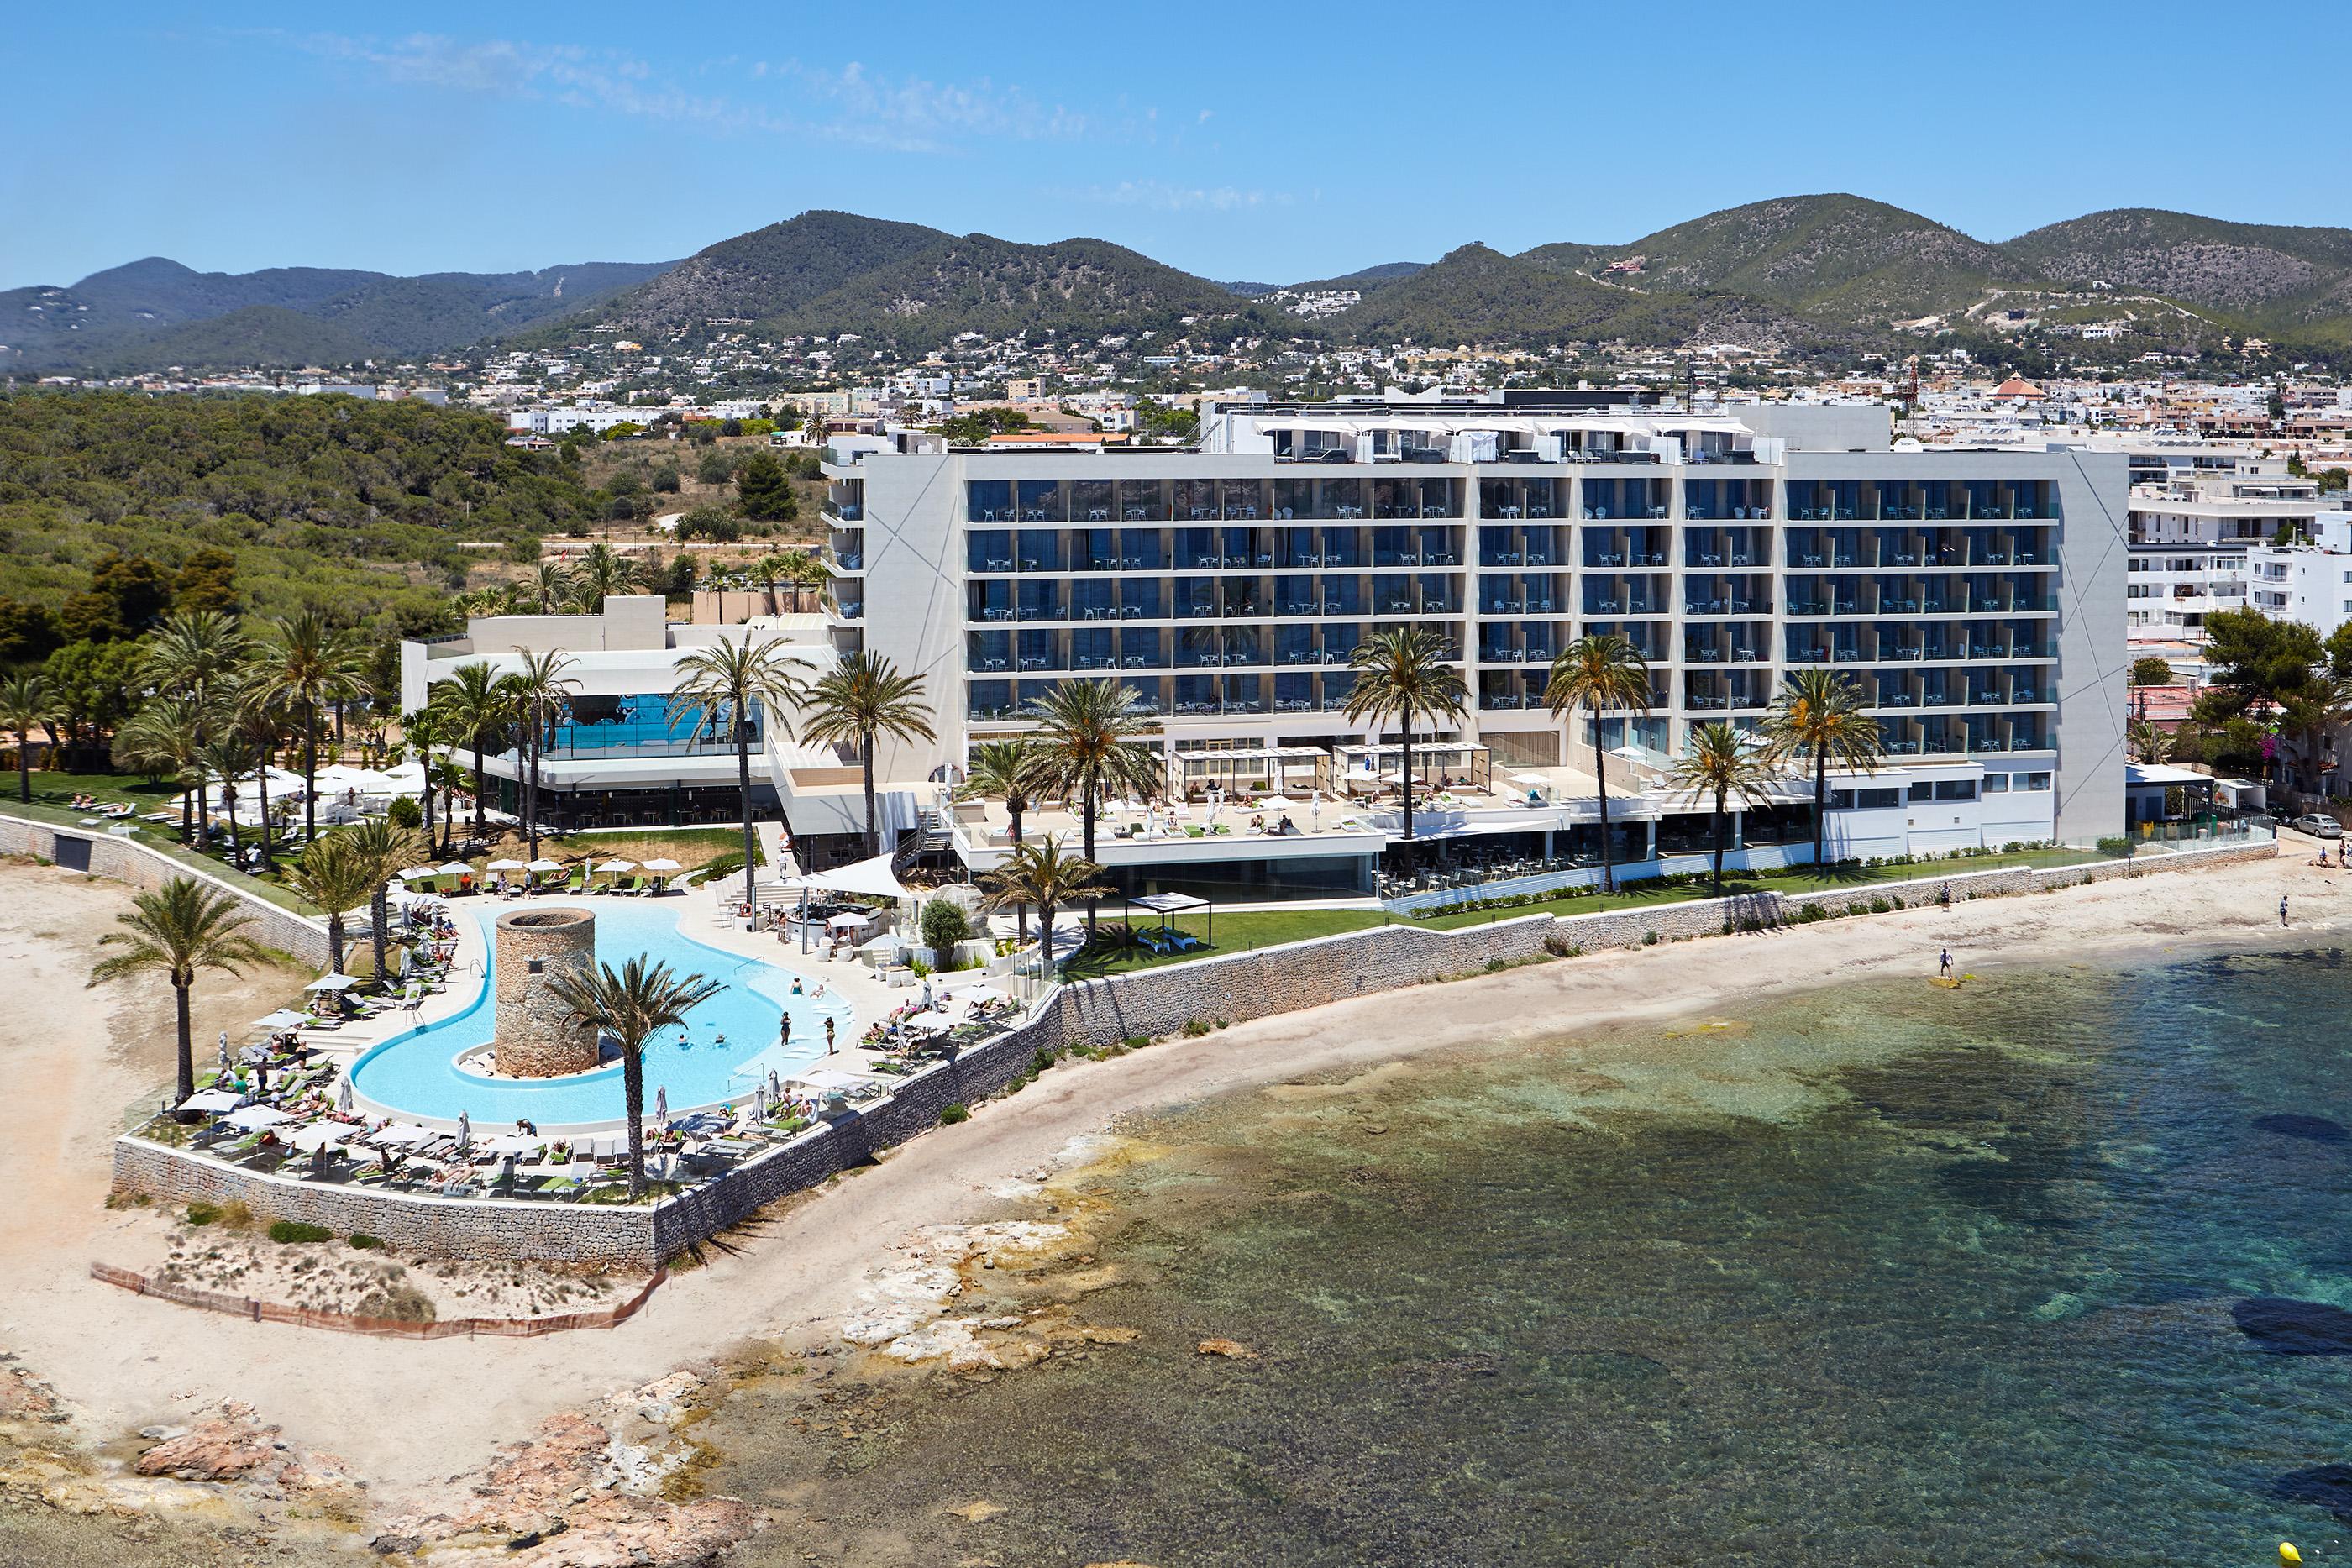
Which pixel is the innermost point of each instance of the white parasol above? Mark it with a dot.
(505, 865)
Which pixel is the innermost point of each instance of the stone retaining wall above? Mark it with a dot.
(127, 860)
(1148, 1002)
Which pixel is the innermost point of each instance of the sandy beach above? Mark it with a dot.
(119, 1363)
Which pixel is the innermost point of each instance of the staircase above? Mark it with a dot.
(929, 838)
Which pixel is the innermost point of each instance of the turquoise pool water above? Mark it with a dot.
(726, 1051)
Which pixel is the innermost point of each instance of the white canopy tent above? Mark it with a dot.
(872, 878)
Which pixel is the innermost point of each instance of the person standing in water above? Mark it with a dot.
(828, 1036)
(1944, 966)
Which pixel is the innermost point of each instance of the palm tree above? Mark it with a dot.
(161, 738)
(767, 571)
(1403, 671)
(1003, 767)
(1597, 670)
(330, 876)
(858, 701)
(2309, 714)
(1042, 874)
(422, 731)
(311, 663)
(805, 569)
(737, 674)
(258, 719)
(231, 758)
(549, 586)
(538, 689)
(1715, 761)
(477, 704)
(24, 702)
(1819, 717)
(181, 929)
(448, 777)
(379, 848)
(632, 1005)
(601, 572)
(196, 655)
(1087, 748)
(2148, 743)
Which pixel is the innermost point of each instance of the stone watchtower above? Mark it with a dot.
(534, 1036)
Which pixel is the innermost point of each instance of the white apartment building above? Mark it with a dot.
(1976, 598)
(2190, 536)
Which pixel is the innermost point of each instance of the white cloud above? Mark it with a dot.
(1165, 197)
(846, 104)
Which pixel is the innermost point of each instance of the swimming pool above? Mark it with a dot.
(730, 1043)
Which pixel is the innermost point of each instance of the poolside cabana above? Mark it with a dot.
(1273, 769)
(1167, 905)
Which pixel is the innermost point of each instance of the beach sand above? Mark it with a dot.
(413, 1416)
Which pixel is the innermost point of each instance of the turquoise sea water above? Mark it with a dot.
(725, 1051)
(2051, 1269)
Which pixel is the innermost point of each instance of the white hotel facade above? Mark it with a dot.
(1976, 598)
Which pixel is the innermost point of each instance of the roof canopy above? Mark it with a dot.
(871, 877)
(1168, 902)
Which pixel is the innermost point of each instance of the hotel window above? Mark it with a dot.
(2033, 780)
(1996, 783)
(1922, 790)
(1955, 789)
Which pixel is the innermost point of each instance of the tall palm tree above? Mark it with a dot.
(161, 738)
(448, 777)
(1817, 718)
(379, 849)
(805, 569)
(180, 930)
(330, 876)
(25, 703)
(231, 758)
(259, 720)
(735, 675)
(422, 731)
(1597, 672)
(767, 571)
(858, 701)
(632, 1005)
(1040, 874)
(1003, 767)
(1717, 761)
(2149, 744)
(601, 572)
(538, 689)
(1403, 671)
(311, 665)
(477, 704)
(196, 655)
(549, 586)
(1088, 747)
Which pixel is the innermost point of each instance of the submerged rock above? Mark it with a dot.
(2298, 1124)
(2323, 1486)
(1231, 1350)
(2284, 1326)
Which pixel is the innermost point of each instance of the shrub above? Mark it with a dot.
(951, 1114)
(1649, 938)
(944, 925)
(405, 812)
(235, 1215)
(2114, 846)
(1136, 1042)
(295, 1231)
(202, 1214)
(366, 1243)
(398, 1300)
(1195, 1028)
(919, 968)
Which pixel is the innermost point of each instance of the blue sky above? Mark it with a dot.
(1261, 142)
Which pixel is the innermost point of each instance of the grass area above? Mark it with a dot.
(1238, 932)
(692, 847)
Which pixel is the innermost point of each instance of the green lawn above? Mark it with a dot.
(1238, 932)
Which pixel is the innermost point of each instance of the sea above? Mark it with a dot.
(2051, 1267)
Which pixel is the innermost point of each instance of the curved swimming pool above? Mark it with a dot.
(725, 1052)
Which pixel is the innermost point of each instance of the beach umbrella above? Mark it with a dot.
(214, 1100)
(544, 864)
(454, 868)
(616, 865)
(847, 920)
(980, 994)
(924, 1023)
(663, 865)
(253, 1118)
(419, 874)
(332, 983)
(504, 865)
(317, 1135)
(343, 1096)
(465, 1129)
(775, 1088)
(759, 1104)
(661, 1106)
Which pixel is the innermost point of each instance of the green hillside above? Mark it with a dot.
(769, 272)
(2267, 272)
(256, 335)
(1478, 295)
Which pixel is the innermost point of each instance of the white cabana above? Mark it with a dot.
(332, 983)
(253, 1118)
(873, 878)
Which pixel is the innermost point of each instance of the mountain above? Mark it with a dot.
(2266, 272)
(1477, 294)
(768, 272)
(132, 316)
(1835, 258)
(996, 287)
(1249, 291)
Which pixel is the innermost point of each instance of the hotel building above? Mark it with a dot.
(1975, 598)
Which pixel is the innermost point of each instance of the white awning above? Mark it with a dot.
(873, 877)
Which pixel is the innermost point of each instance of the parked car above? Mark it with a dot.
(2319, 826)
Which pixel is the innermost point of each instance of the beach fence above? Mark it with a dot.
(381, 1328)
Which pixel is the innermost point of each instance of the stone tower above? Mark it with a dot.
(534, 1036)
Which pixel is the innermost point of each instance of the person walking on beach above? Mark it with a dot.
(1945, 967)
(2282, 909)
